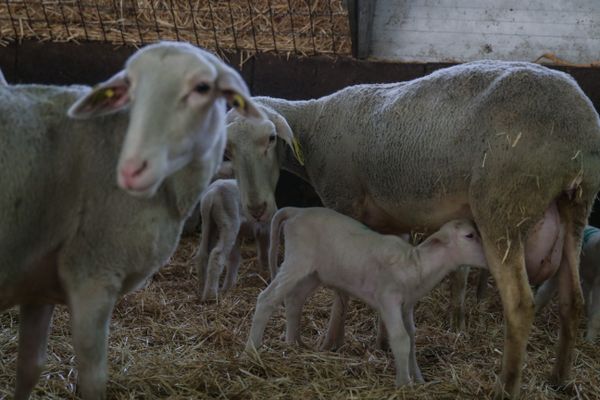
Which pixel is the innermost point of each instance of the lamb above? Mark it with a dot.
(323, 247)
(69, 234)
(499, 143)
(194, 222)
(589, 270)
(224, 225)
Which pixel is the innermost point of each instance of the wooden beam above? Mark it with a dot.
(360, 15)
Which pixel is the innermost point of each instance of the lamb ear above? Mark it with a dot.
(284, 131)
(235, 91)
(438, 239)
(105, 98)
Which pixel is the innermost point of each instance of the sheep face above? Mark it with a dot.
(176, 96)
(252, 148)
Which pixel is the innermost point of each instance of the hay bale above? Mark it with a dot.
(165, 344)
(298, 26)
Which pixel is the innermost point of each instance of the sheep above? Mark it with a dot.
(193, 223)
(492, 141)
(70, 234)
(224, 225)
(323, 247)
(589, 270)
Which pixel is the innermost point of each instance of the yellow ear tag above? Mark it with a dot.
(108, 93)
(298, 151)
(238, 101)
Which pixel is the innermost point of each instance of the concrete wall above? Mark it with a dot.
(465, 30)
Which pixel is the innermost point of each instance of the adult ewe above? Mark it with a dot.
(507, 144)
(68, 234)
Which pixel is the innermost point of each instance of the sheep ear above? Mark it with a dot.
(438, 239)
(284, 131)
(235, 91)
(105, 98)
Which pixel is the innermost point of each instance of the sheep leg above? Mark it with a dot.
(517, 300)
(398, 338)
(335, 329)
(482, 284)
(570, 299)
(34, 327)
(217, 261)
(233, 266)
(545, 293)
(381, 340)
(294, 301)
(261, 236)
(91, 307)
(458, 289)
(268, 301)
(409, 325)
(200, 260)
(593, 323)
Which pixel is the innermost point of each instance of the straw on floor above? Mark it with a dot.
(165, 344)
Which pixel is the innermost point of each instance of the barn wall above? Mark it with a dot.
(466, 30)
(266, 74)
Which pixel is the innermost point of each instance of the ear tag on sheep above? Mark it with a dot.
(102, 96)
(297, 151)
(238, 101)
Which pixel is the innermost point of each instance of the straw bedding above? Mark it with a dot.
(165, 344)
(298, 26)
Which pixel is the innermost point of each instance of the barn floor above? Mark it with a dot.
(165, 344)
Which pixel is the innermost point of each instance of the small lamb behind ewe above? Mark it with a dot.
(224, 225)
(328, 248)
(589, 273)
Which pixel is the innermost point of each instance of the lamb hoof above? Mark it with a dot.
(400, 382)
(209, 298)
(457, 323)
(331, 344)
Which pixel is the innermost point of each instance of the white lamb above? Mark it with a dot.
(324, 247)
(224, 225)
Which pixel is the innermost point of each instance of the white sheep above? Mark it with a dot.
(224, 226)
(496, 142)
(589, 273)
(68, 234)
(323, 247)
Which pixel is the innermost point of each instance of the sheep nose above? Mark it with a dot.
(257, 211)
(132, 169)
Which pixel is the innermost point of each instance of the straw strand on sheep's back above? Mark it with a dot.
(319, 26)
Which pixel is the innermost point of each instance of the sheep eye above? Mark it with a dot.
(202, 88)
(271, 139)
(470, 236)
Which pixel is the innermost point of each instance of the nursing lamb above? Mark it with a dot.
(323, 247)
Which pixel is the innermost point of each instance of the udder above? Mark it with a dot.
(543, 249)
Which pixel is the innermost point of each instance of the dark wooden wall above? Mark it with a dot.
(266, 74)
